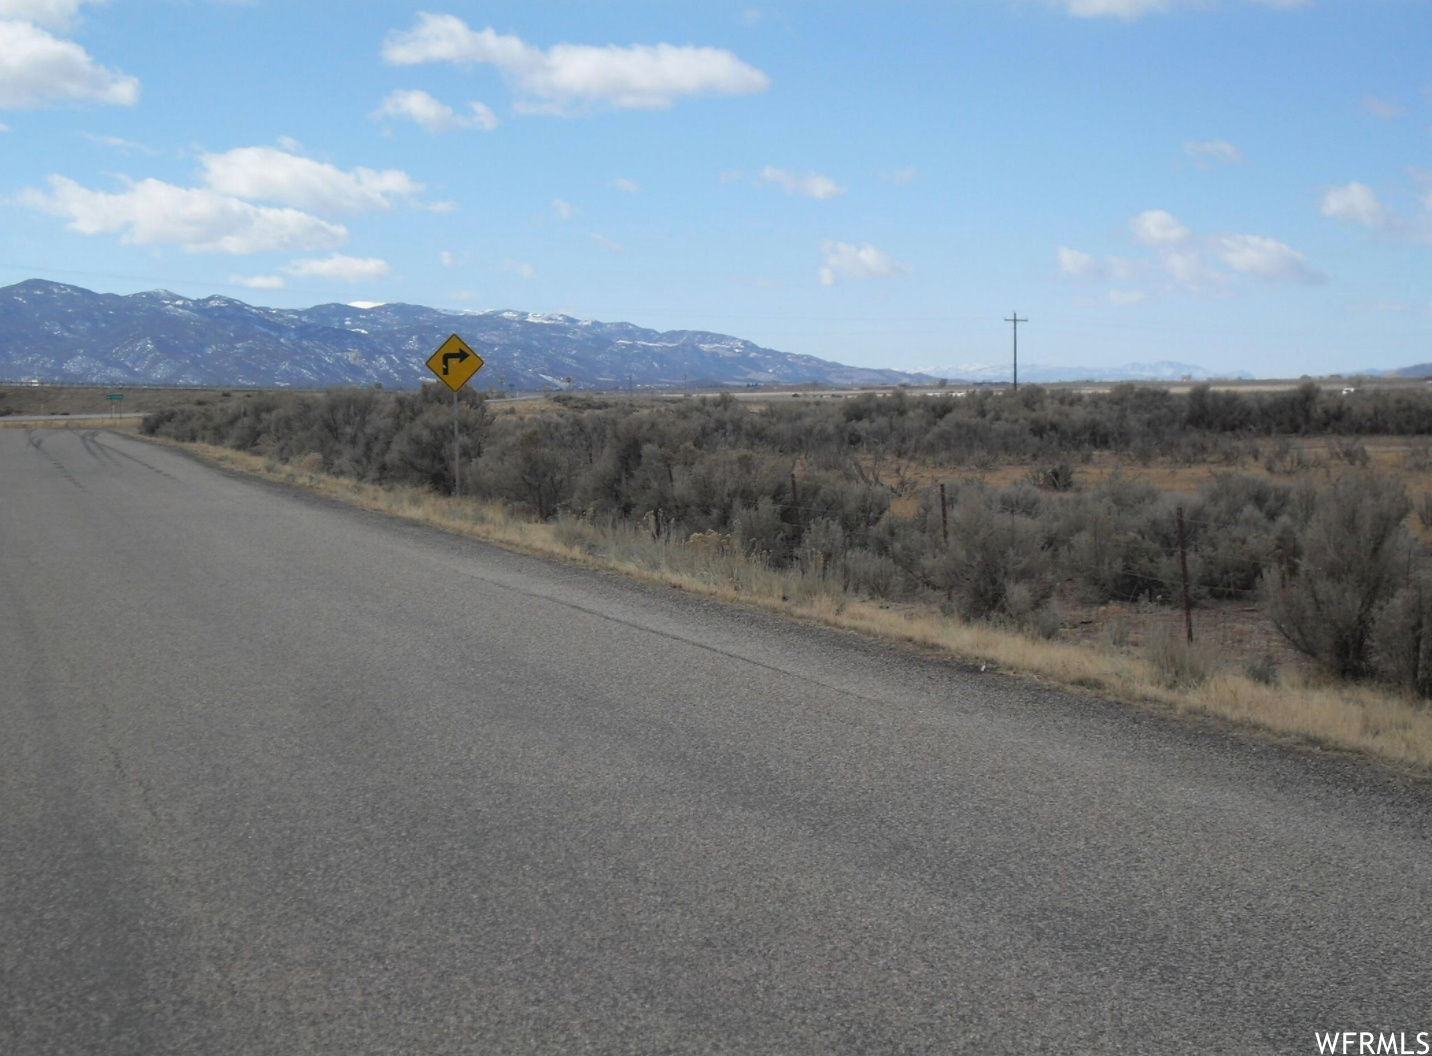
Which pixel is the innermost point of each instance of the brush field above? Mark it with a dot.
(1054, 552)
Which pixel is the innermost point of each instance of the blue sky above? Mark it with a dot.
(1240, 184)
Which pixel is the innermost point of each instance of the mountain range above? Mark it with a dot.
(1418, 370)
(57, 333)
(52, 332)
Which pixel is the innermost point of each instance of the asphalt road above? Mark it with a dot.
(278, 776)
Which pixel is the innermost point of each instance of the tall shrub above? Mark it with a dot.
(1355, 554)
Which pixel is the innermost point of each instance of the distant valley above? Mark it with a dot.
(1163, 371)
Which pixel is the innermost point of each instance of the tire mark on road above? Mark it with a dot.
(96, 450)
(38, 444)
(674, 636)
(132, 458)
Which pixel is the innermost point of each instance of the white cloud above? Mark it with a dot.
(1192, 261)
(805, 184)
(1214, 150)
(56, 14)
(899, 177)
(1265, 258)
(607, 244)
(199, 219)
(455, 260)
(482, 116)
(1381, 109)
(1358, 203)
(856, 262)
(269, 174)
(1079, 265)
(443, 207)
(337, 266)
(623, 184)
(258, 282)
(1133, 9)
(1157, 228)
(1189, 269)
(124, 146)
(290, 144)
(640, 76)
(1128, 9)
(563, 210)
(4, 127)
(1121, 268)
(519, 268)
(422, 109)
(37, 68)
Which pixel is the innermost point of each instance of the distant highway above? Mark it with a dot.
(98, 418)
(278, 776)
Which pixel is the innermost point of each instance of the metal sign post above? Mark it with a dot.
(455, 363)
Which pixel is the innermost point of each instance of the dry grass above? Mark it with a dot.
(91, 399)
(1399, 457)
(1386, 454)
(128, 425)
(1366, 720)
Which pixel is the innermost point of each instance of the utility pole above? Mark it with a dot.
(1016, 320)
(944, 517)
(1183, 565)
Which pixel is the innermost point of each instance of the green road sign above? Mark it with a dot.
(115, 396)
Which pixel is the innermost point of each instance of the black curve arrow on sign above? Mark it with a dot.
(447, 356)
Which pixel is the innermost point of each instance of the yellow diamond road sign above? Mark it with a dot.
(454, 363)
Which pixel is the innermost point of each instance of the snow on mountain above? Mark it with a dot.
(56, 332)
